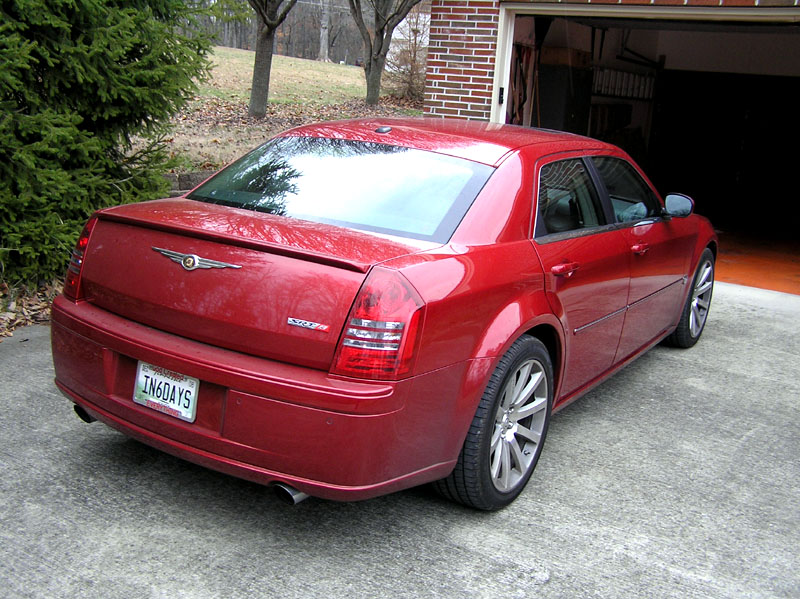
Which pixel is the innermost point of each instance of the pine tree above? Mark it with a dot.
(79, 79)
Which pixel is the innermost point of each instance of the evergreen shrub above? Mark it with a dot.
(78, 80)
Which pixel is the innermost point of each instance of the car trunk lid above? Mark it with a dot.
(251, 282)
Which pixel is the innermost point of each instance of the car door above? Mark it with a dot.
(657, 254)
(585, 262)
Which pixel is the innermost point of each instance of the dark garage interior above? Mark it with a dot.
(730, 141)
(709, 109)
(724, 137)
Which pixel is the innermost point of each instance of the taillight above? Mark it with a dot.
(72, 282)
(382, 330)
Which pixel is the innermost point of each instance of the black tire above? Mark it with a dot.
(698, 303)
(489, 476)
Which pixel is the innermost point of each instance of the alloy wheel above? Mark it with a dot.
(701, 298)
(518, 425)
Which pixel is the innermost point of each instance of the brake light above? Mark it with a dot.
(72, 282)
(382, 331)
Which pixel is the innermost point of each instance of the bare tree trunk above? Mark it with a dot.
(259, 93)
(373, 70)
(238, 35)
(323, 31)
(387, 15)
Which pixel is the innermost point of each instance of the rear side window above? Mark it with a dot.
(567, 199)
(631, 198)
(359, 185)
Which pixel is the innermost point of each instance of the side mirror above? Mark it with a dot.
(679, 205)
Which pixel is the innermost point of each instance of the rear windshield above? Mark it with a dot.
(360, 185)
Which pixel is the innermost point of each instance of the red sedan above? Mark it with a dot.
(359, 307)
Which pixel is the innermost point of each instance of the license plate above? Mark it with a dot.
(166, 391)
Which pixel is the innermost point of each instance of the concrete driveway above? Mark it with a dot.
(679, 477)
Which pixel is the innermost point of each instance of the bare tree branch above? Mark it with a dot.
(387, 15)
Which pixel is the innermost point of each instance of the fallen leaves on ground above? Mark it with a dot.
(23, 306)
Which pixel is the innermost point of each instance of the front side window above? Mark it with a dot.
(567, 199)
(359, 185)
(631, 197)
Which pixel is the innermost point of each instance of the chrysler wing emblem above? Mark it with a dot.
(193, 261)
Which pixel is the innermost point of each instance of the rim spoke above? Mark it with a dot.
(704, 278)
(532, 408)
(521, 378)
(508, 394)
(498, 431)
(495, 465)
(695, 321)
(696, 314)
(529, 389)
(519, 457)
(702, 289)
(505, 465)
(703, 303)
(529, 434)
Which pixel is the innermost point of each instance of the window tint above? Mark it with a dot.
(567, 199)
(631, 198)
(359, 185)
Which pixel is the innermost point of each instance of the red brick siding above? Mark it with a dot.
(461, 53)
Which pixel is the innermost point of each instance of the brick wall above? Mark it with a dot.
(463, 45)
(461, 53)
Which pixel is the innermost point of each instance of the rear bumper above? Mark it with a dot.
(262, 420)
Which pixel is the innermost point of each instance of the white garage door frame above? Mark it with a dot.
(509, 12)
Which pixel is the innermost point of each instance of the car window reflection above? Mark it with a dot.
(362, 185)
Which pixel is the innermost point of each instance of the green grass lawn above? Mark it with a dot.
(292, 79)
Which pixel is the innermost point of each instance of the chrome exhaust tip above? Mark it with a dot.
(288, 494)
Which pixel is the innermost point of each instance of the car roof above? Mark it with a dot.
(487, 143)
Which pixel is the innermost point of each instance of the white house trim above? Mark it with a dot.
(509, 11)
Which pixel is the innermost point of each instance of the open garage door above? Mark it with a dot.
(708, 107)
